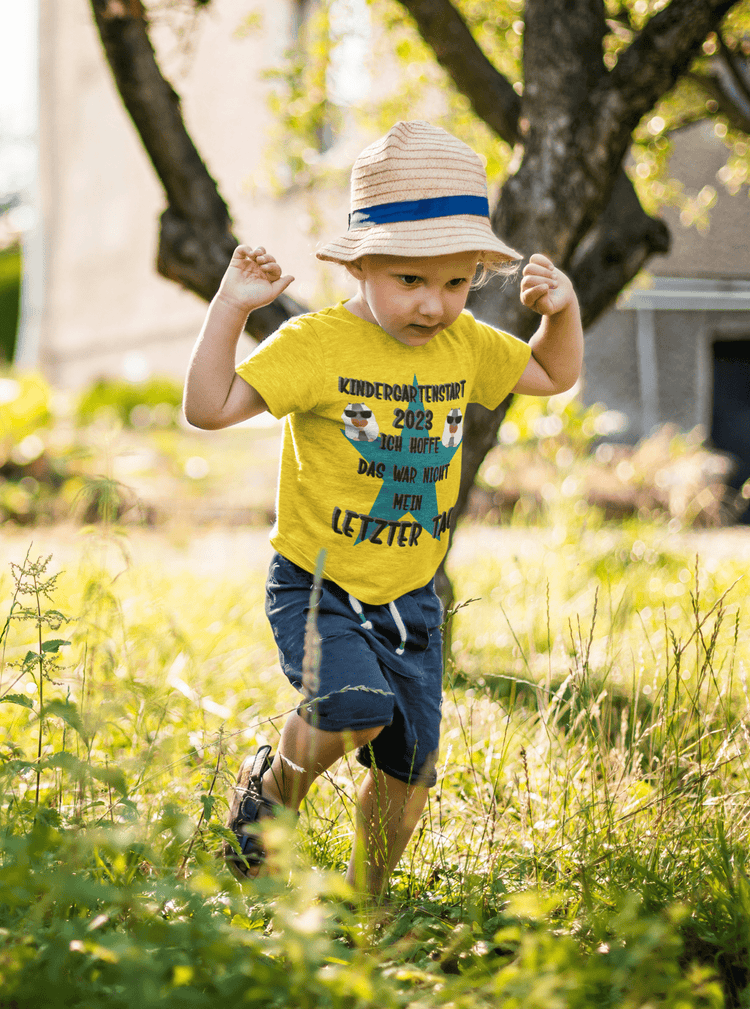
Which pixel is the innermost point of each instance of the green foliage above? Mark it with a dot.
(107, 456)
(33, 588)
(50, 466)
(10, 293)
(308, 118)
(555, 455)
(85, 924)
(154, 402)
(584, 847)
(302, 111)
(25, 400)
(691, 100)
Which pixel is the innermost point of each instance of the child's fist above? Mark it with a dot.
(544, 288)
(253, 279)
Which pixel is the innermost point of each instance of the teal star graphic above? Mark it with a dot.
(404, 489)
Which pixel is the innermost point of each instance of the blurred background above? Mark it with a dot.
(278, 98)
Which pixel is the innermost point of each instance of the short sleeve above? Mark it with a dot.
(500, 361)
(287, 368)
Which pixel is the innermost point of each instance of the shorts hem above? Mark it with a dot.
(408, 777)
(333, 726)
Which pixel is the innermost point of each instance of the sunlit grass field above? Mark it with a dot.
(585, 845)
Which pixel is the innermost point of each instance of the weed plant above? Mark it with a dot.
(585, 845)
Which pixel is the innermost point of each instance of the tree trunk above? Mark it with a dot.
(195, 239)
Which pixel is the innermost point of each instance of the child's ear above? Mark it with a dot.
(355, 269)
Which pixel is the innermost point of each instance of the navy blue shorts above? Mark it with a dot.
(379, 665)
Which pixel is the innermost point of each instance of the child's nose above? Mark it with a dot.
(431, 303)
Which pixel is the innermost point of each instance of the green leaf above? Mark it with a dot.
(21, 699)
(68, 762)
(208, 802)
(110, 776)
(31, 660)
(54, 645)
(219, 830)
(68, 712)
(14, 766)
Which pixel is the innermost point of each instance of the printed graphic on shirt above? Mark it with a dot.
(453, 431)
(398, 393)
(409, 463)
(359, 422)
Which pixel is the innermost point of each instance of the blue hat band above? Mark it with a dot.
(419, 210)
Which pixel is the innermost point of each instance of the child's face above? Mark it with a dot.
(412, 298)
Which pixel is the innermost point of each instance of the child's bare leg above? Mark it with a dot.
(388, 812)
(304, 752)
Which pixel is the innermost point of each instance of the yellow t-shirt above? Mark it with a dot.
(371, 446)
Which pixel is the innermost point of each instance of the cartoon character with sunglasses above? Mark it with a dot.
(359, 422)
(454, 429)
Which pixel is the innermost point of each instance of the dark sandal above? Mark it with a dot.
(245, 810)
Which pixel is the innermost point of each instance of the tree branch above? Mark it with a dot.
(579, 134)
(657, 57)
(196, 240)
(622, 241)
(727, 82)
(738, 66)
(581, 119)
(490, 93)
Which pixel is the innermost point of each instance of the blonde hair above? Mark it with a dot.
(492, 267)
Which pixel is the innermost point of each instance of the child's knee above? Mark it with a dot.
(361, 737)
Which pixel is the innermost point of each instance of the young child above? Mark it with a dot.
(373, 392)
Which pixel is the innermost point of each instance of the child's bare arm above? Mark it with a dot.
(557, 346)
(215, 396)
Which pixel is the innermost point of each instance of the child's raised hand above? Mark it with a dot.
(253, 279)
(544, 288)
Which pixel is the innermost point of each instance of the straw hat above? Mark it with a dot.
(418, 191)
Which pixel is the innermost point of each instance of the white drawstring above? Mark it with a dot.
(400, 625)
(357, 607)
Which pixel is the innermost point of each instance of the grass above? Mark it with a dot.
(586, 843)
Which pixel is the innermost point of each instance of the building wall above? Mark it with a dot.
(678, 337)
(722, 250)
(670, 381)
(651, 358)
(102, 309)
